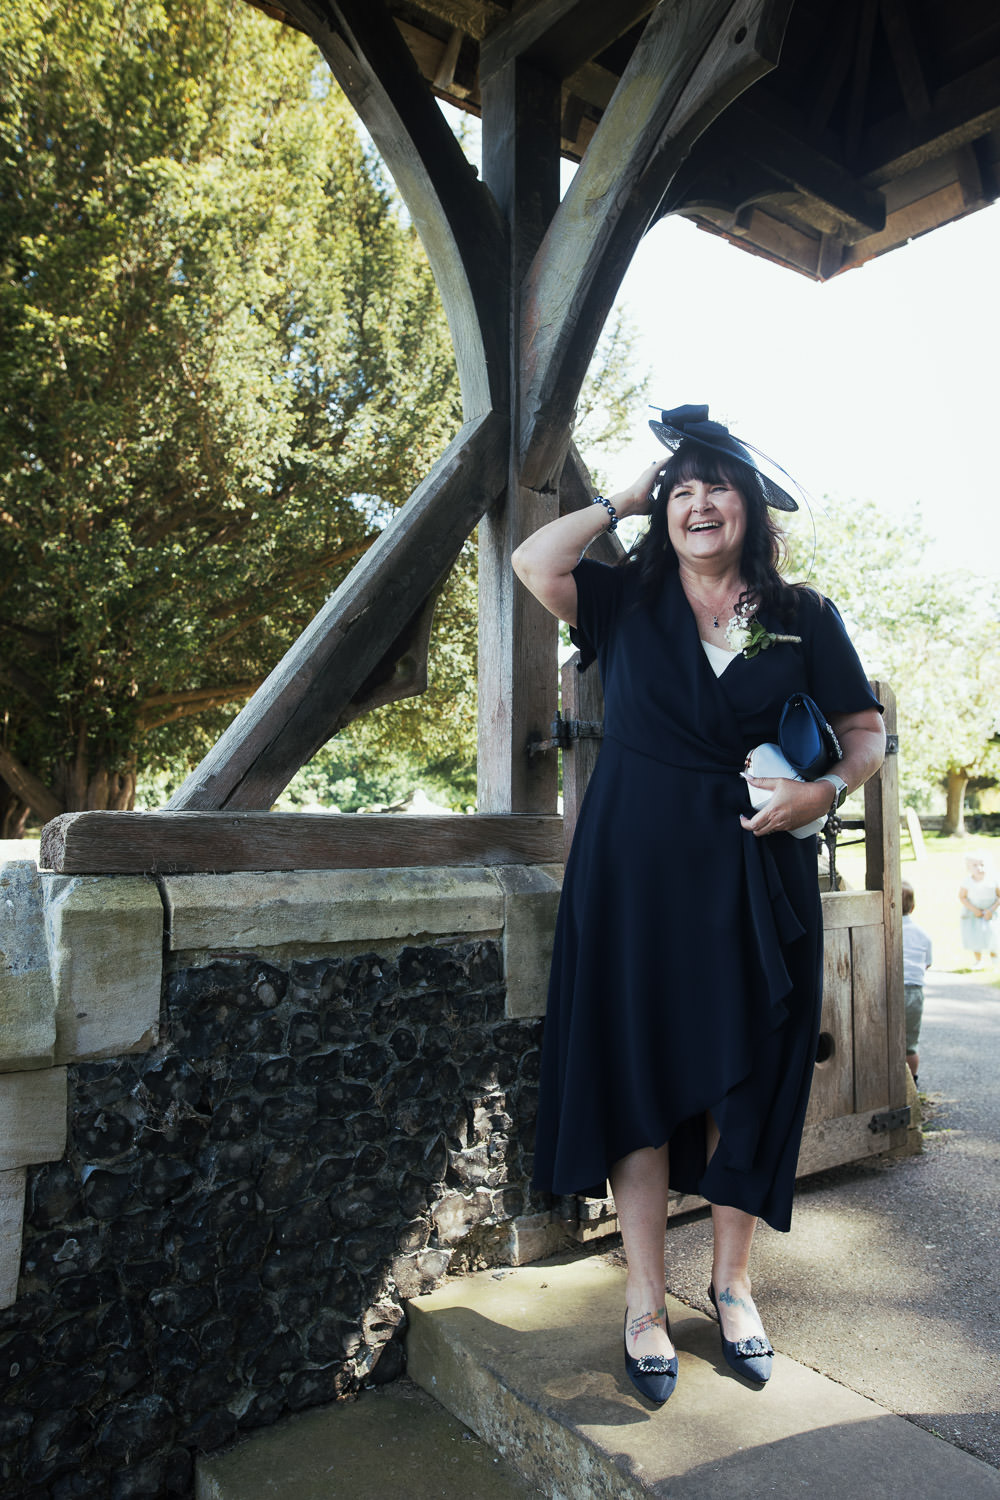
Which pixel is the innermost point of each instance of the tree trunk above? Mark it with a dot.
(954, 819)
(31, 791)
(13, 813)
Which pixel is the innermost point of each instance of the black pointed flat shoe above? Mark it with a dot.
(654, 1375)
(752, 1358)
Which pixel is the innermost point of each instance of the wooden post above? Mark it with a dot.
(583, 700)
(517, 637)
(882, 841)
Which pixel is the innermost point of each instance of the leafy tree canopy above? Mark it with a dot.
(934, 637)
(223, 364)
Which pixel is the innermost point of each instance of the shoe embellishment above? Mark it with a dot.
(752, 1348)
(654, 1364)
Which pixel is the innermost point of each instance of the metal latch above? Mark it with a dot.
(892, 744)
(890, 1119)
(565, 731)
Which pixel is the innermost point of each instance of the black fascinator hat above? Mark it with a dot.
(691, 424)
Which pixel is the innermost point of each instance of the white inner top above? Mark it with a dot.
(718, 657)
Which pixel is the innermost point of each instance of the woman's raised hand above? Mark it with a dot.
(635, 499)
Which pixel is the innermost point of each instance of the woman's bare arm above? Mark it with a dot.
(544, 562)
(862, 739)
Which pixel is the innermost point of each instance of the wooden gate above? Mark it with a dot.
(858, 1102)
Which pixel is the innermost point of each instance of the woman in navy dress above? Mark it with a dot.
(685, 993)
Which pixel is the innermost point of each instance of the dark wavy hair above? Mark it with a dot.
(764, 549)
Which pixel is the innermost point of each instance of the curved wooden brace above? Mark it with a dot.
(690, 63)
(459, 223)
(310, 693)
(402, 672)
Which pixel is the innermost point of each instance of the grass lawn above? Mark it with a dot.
(935, 881)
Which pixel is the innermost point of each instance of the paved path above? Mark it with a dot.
(888, 1282)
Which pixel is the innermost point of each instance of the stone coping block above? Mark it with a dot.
(105, 940)
(11, 1220)
(27, 999)
(32, 1117)
(254, 912)
(531, 900)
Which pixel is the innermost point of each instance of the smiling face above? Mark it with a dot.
(706, 522)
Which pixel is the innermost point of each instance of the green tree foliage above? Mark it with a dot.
(223, 364)
(934, 637)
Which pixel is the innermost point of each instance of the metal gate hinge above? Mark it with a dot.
(890, 1119)
(564, 731)
(892, 744)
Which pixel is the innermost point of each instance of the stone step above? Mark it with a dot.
(393, 1443)
(531, 1360)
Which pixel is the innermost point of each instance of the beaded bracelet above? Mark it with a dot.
(613, 523)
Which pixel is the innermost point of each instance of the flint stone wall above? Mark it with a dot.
(242, 1210)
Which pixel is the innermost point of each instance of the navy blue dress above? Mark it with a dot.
(688, 958)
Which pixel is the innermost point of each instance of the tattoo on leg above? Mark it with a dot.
(647, 1320)
(730, 1300)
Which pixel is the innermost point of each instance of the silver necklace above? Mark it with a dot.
(715, 612)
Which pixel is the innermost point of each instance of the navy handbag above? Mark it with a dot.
(806, 737)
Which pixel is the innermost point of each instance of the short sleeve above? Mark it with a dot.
(838, 681)
(598, 594)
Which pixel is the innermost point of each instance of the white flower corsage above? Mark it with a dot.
(745, 633)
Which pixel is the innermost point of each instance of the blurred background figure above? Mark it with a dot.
(980, 898)
(917, 959)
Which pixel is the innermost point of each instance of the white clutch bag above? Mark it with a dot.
(767, 760)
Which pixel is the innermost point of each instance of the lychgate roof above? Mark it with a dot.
(881, 121)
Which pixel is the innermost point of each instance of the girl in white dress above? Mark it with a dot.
(980, 900)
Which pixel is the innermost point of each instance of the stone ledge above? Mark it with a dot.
(105, 941)
(311, 908)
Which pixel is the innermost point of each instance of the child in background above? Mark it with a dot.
(980, 900)
(917, 958)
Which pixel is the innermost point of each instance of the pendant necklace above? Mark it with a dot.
(714, 612)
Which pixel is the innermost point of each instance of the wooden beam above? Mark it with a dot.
(859, 79)
(159, 843)
(558, 36)
(765, 235)
(444, 78)
(905, 60)
(742, 131)
(690, 63)
(944, 206)
(961, 111)
(457, 219)
(475, 17)
(517, 637)
(841, 28)
(310, 692)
